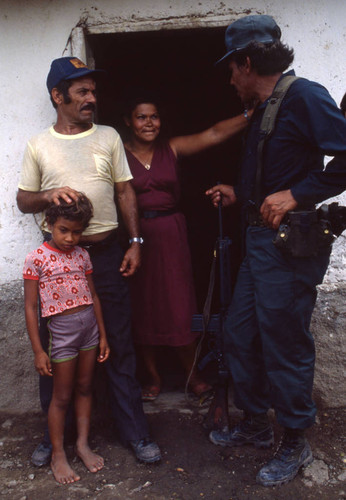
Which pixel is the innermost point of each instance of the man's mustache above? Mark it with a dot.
(90, 106)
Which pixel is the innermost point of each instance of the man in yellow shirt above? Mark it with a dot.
(76, 155)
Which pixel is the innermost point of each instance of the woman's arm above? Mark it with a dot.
(42, 362)
(104, 347)
(218, 133)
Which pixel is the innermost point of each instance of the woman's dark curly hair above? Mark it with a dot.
(80, 210)
(266, 59)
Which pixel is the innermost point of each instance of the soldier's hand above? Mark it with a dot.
(222, 192)
(275, 207)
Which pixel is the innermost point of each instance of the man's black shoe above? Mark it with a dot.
(146, 450)
(251, 430)
(292, 454)
(42, 454)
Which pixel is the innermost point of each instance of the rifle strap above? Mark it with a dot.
(267, 127)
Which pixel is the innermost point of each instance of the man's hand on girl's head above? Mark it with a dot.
(66, 193)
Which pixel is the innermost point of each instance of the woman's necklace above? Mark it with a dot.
(146, 163)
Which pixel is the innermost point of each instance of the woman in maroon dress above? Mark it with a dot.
(163, 298)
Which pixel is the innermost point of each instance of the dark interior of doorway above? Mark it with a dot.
(179, 67)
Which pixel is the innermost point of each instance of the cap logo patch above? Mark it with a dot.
(77, 63)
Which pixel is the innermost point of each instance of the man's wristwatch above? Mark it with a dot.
(136, 240)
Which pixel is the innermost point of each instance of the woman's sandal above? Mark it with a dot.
(150, 392)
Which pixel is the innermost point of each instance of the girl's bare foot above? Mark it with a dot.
(91, 460)
(62, 471)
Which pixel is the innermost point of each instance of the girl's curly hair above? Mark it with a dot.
(80, 210)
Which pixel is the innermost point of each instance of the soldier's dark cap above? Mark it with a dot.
(258, 28)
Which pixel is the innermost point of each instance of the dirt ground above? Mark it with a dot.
(192, 467)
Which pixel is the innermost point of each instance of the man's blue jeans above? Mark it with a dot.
(113, 292)
(269, 348)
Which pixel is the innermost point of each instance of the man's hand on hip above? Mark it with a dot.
(275, 206)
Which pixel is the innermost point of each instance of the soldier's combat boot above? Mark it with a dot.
(254, 429)
(293, 453)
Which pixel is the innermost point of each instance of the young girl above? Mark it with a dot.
(60, 272)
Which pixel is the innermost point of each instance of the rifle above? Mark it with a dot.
(217, 416)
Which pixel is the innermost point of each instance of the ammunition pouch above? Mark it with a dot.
(335, 215)
(304, 233)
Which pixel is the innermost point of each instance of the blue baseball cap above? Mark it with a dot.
(259, 28)
(67, 68)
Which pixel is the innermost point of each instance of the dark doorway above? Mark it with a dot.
(178, 65)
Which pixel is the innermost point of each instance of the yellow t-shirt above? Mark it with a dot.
(90, 162)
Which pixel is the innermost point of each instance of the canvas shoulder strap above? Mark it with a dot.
(267, 127)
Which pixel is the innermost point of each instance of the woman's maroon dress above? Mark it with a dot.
(162, 291)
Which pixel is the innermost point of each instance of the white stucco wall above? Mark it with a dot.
(33, 32)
